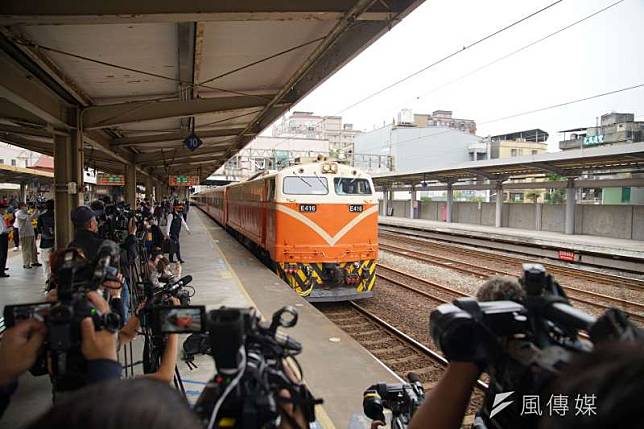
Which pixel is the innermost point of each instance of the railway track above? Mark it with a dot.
(593, 299)
(577, 273)
(397, 350)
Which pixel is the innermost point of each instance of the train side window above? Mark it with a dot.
(351, 186)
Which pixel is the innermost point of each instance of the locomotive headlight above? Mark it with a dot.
(329, 168)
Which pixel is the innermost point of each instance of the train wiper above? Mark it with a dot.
(302, 179)
(326, 188)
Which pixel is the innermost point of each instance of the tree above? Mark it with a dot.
(533, 195)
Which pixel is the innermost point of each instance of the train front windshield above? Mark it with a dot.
(351, 186)
(305, 185)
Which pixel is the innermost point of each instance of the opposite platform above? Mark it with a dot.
(602, 251)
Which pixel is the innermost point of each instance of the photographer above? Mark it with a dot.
(160, 270)
(447, 402)
(87, 239)
(86, 235)
(21, 345)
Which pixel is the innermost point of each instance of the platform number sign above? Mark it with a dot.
(356, 208)
(308, 208)
(192, 142)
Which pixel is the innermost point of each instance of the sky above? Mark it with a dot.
(601, 54)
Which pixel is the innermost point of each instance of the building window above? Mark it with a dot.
(626, 195)
(534, 151)
(513, 152)
(1, 161)
(13, 162)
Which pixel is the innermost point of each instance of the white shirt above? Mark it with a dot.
(168, 221)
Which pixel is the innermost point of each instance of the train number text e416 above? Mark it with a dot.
(308, 208)
(356, 208)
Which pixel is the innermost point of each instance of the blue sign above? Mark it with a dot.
(192, 142)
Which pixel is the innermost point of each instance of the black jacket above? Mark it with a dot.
(88, 241)
(46, 228)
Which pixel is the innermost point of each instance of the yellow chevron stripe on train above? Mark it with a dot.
(316, 224)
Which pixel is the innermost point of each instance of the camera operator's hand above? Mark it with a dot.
(99, 302)
(446, 403)
(114, 288)
(97, 345)
(131, 226)
(19, 349)
(286, 406)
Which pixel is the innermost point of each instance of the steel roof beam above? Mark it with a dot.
(170, 153)
(27, 143)
(118, 114)
(25, 91)
(547, 168)
(186, 58)
(186, 159)
(14, 12)
(176, 136)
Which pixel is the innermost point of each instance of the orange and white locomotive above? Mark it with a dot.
(317, 224)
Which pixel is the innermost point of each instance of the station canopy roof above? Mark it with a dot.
(570, 163)
(138, 76)
(17, 175)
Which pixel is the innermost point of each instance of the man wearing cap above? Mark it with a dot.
(86, 236)
(87, 239)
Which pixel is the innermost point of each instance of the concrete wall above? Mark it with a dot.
(618, 221)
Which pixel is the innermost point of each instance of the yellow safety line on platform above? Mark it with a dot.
(230, 268)
(322, 417)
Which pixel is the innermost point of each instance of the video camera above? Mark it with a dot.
(522, 346)
(250, 356)
(402, 399)
(159, 317)
(117, 217)
(75, 279)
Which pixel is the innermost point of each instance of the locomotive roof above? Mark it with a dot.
(310, 168)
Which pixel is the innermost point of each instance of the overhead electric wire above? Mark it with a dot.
(453, 54)
(529, 45)
(527, 112)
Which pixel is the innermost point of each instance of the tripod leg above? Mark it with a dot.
(178, 382)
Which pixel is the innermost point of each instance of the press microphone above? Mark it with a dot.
(183, 281)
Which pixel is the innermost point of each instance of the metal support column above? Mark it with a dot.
(413, 203)
(571, 204)
(130, 184)
(62, 198)
(148, 188)
(384, 202)
(538, 216)
(450, 202)
(76, 168)
(498, 218)
(390, 203)
(23, 193)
